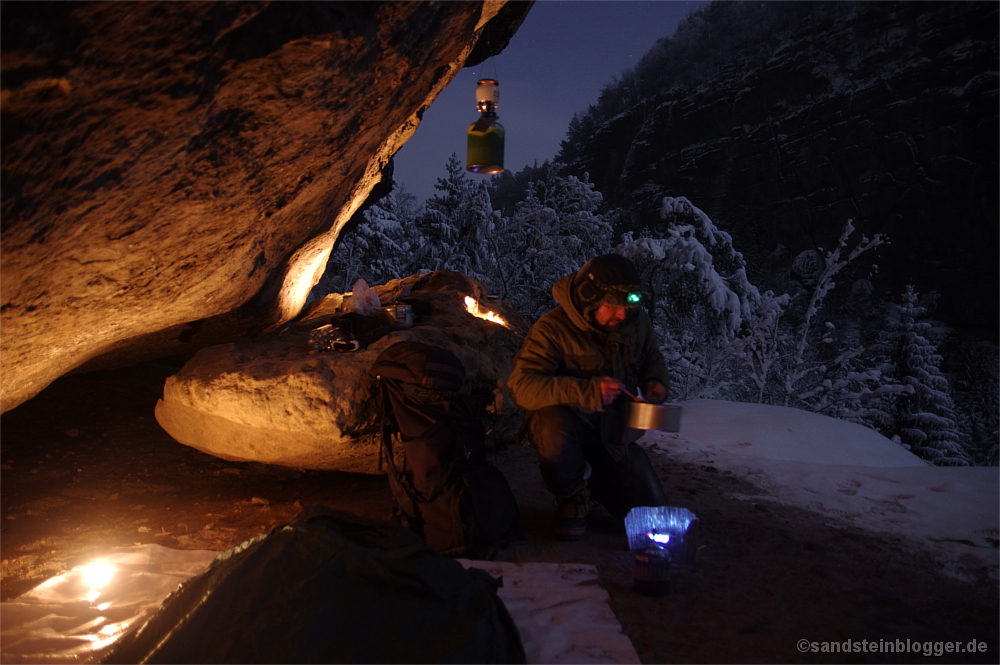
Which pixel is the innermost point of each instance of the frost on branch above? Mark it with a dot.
(761, 347)
(817, 367)
(692, 271)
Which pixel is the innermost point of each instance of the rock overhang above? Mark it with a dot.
(175, 174)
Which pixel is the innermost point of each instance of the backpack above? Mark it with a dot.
(446, 491)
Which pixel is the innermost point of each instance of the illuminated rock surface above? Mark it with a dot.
(274, 399)
(175, 174)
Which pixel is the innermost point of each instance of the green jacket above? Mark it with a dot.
(564, 357)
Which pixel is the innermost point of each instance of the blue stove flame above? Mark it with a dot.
(660, 539)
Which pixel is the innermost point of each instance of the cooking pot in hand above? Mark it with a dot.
(662, 417)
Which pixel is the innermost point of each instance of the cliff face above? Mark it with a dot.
(175, 174)
(885, 113)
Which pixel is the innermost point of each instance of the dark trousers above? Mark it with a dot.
(566, 440)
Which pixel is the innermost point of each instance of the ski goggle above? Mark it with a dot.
(624, 298)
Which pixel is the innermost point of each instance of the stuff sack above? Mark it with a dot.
(330, 587)
(446, 491)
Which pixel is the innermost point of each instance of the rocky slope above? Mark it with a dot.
(175, 174)
(786, 119)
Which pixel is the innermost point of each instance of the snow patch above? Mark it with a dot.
(846, 473)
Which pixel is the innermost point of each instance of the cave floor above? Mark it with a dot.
(85, 467)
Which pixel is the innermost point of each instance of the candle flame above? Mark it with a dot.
(98, 574)
(473, 308)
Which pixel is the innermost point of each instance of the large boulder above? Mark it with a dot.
(174, 174)
(275, 399)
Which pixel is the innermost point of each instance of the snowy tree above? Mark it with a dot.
(840, 381)
(723, 338)
(456, 225)
(699, 296)
(821, 375)
(552, 233)
(975, 388)
(377, 250)
(761, 347)
(925, 420)
(692, 271)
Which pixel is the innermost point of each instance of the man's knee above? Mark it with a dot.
(553, 425)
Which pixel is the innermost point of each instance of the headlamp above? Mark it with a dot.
(634, 298)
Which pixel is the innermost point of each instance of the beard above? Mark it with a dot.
(611, 326)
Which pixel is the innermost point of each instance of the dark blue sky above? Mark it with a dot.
(556, 64)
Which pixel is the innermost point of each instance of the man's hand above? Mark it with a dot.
(610, 389)
(654, 391)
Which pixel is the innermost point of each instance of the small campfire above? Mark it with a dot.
(473, 308)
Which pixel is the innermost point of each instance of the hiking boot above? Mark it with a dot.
(571, 515)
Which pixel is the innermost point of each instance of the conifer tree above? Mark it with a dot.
(436, 225)
(925, 420)
(975, 387)
(456, 224)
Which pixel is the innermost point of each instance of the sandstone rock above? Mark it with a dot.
(273, 399)
(175, 173)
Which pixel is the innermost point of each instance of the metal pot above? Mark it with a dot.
(663, 417)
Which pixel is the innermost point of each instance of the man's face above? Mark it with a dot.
(609, 317)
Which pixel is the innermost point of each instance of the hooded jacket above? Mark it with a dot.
(564, 357)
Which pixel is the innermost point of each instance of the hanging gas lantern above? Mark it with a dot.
(485, 149)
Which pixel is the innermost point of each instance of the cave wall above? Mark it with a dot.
(881, 112)
(174, 174)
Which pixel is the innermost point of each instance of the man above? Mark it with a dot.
(573, 375)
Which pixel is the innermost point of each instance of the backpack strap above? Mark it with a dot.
(407, 506)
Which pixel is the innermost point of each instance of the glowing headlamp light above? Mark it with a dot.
(634, 298)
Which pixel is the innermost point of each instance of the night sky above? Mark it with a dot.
(556, 64)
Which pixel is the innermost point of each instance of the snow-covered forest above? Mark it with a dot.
(826, 343)
(827, 139)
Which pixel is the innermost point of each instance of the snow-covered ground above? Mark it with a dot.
(846, 473)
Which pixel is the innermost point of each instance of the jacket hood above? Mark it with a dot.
(563, 293)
